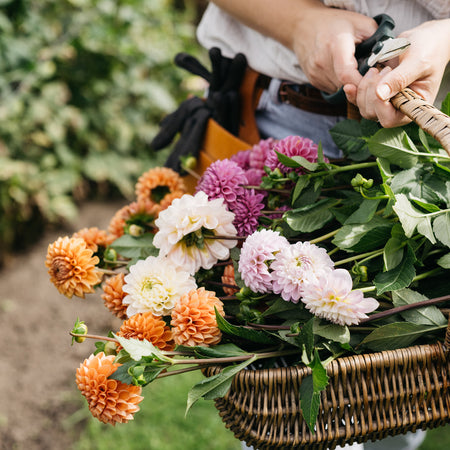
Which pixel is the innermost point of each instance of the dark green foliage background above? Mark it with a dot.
(83, 85)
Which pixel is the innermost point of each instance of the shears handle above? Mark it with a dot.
(363, 50)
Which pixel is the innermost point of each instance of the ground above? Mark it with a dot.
(38, 395)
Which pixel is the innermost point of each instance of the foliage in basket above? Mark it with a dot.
(83, 87)
(281, 256)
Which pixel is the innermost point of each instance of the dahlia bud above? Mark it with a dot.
(79, 328)
(110, 348)
(135, 230)
(188, 162)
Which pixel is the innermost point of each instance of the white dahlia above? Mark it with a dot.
(187, 230)
(155, 285)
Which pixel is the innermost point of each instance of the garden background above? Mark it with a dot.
(83, 86)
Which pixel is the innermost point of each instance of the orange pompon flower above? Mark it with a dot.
(141, 211)
(71, 266)
(94, 238)
(228, 279)
(160, 185)
(194, 319)
(110, 401)
(147, 326)
(113, 295)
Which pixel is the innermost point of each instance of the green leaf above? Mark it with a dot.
(398, 277)
(301, 184)
(428, 207)
(396, 335)
(218, 351)
(393, 252)
(444, 261)
(135, 247)
(217, 385)
(296, 161)
(306, 338)
(138, 349)
(364, 213)
(310, 389)
(426, 315)
(259, 336)
(445, 107)
(394, 145)
(311, 217)
(336, 333)
(347, 134)
(411, 218)
(364, 237)
(441, 228)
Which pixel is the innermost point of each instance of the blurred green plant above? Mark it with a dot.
(83, 85)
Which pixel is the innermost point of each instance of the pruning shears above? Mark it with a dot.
(380, 47)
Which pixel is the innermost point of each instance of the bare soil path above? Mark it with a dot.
(37, 362)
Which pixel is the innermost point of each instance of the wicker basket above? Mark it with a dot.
(369, 397)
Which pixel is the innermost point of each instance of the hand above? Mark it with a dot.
(324, 42)
(421, 68)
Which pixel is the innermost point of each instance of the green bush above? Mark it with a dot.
(83, 85)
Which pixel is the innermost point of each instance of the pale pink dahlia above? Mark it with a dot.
(257, 252)
(223, 179)
(247, 210)
(296, 264)
(292, 146)
(331, 297)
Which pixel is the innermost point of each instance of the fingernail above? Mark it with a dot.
(384, 92)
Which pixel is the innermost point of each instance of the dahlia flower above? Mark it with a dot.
(257, 252)
(247, 210)
(194, 319)
(291, 146)
(331, 297)
(223, 179)
(242, 158)
(159, 185)
(149, 327)
(113, 295)
(142, 212)
(72, 266)
(260, 152)
(110, 401)
(155, 285)
(294, 265)
(94, 238)
(187, 231)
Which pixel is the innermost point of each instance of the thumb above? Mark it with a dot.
(397, 79)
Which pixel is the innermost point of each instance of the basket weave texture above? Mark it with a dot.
(369, 397)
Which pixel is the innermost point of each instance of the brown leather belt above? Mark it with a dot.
(303, 96)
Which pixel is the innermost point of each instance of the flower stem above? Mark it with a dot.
(343, 169)
(399, 309)
(363, 256)
(94, 336)
(107, 271)
(324, 237)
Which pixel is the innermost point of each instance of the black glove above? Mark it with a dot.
(191, 118)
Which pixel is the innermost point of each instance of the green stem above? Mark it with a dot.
(343, 169)
(324, 237)
(378, 197)
(362, 256)
(427, 274)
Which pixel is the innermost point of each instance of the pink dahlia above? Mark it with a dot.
(292, 146)
(242, 159)
(259, 153)
(247, 210)
(257, 252)
(296, 264)
(331, 297)
(223, 179)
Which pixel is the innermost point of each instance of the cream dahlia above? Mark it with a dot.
(188, 229)
(155, 284)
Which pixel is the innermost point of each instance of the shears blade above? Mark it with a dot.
(387, 49)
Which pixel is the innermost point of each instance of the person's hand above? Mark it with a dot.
(324, 42)
(421, 68)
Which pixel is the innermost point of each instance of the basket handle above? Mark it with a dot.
(430, 119)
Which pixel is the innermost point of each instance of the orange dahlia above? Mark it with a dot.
(160, 185)
(142, 212)
(228, 278)
(94, 238)
(113, 295)
(147, 326)
(71, 266)
(110, 401)
(194, 319)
